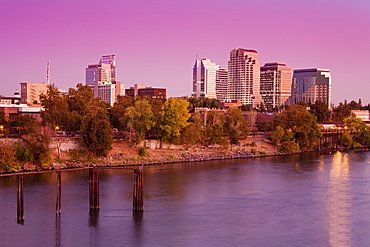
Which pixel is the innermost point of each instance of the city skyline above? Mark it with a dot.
(156, 43)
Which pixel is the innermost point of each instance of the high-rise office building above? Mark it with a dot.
(104, 71)
(101, 78)
(204, 78)
(221, 84)
(275, 87)
(310, 85)
(244, 77)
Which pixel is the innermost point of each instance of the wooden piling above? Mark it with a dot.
(94, 189)
(58, 208)
(20, 199)
(138, 202)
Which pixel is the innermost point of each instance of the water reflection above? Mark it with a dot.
(339, 201)
(58, 241)
(138, 227)
(298, 200)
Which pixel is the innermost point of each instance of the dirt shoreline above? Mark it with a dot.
(122, 155)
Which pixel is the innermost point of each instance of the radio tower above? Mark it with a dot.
(48, 72)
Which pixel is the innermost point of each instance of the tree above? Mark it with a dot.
(140, 117)
(235, 126)
(360, 131)
(194, 132)
(96, 132)
(246, 107)
(214, 130)
(117, 112)
(353, 105)
(35, 144)
(301, 123)
(7, 157)
(341, 112)
(203, 102)
(321, 111)
(174, 118)
(56, 109)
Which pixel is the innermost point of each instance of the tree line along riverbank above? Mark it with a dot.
(119, 134)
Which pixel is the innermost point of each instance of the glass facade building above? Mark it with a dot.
(310, 85)
(204, 78)
(104, 71)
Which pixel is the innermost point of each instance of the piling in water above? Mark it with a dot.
(58, 208)
(20, 200)
(94, 189)
(138, 202)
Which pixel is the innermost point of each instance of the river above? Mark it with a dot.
(296, 200)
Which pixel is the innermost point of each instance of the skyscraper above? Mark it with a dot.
(221, 84)
(101, 78)
(275, 88)
(310, 85)
(244, 77)
(104, 71)
(204, 78)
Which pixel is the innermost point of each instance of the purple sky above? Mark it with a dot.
(156, 42)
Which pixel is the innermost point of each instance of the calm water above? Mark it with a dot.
(299, 200)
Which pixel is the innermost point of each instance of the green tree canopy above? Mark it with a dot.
(140, 116)
(96, 132)
(174, 118)
(321, 111)
(360, 132)
(194, 132)
(203, 102)
(301, 123)
(56, 108)
(235, 126)
(341, 112)
(215, 128)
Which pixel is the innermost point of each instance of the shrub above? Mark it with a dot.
(23, 153)
(289, 147)
(142, 151)
(7, 158)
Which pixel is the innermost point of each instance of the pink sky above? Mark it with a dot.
(156, 42)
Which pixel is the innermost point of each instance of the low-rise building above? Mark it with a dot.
(152, 92)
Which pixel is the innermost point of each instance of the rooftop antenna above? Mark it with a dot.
(48, 71)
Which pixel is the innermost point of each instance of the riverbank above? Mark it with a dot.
(124, 155)
(65, 156)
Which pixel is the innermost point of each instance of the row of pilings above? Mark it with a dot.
(138, 192)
